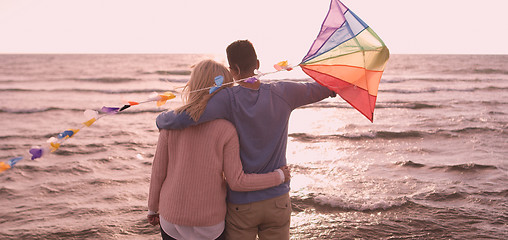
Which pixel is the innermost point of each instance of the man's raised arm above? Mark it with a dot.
(299, 94)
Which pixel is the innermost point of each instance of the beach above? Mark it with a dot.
(432, 165)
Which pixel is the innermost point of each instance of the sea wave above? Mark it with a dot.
(479, 71)
(38, 110)
(7, 146)
(390, 135)
(445, 196)
(51, 109)
(329, 203)
(488, 198)
(415, 105)
(502, 193)
(473, 130)
(408, 105)
(433, 79)
(70, 151)
(31, 136)
(465, 167)
(323, 202)
(107, 182)
(170, 80)
(170, 72)
(405, 105)
(37, 80)
(496, 113)
(410, 163)
(484, 102)
(54, 169)
(106, 80)
(91, 80)
(435, 89)
(87, 232)
(7, 193)
(7, 81)
(305, 137)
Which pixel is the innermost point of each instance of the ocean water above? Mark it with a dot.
(433, 165)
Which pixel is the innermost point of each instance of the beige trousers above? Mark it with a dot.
(267, 219)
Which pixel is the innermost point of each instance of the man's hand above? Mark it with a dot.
(287, 173)
(153, 219)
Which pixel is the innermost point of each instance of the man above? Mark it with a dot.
(260, 113)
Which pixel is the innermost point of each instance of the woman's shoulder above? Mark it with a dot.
(221, 124)
(221, 130)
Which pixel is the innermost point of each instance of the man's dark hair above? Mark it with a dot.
(241, 53)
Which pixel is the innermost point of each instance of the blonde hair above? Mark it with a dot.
(196, 92)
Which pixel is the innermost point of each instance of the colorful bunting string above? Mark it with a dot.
(53, 143)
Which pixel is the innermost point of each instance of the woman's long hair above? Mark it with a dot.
(196, 92)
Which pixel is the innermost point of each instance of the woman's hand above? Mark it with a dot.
(153, 219)
(287, 173)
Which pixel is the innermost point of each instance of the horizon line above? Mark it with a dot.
(194, 53)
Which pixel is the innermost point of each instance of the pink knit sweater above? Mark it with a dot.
(187, 186)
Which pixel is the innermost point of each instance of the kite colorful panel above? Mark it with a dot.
(348, 58)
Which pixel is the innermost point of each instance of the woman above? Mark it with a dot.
(191, 167)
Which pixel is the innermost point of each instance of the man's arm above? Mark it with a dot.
(299, 94)
(242, 182)
(218, 107)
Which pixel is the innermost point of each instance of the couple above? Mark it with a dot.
(187, 185)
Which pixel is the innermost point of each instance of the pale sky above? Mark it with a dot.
(282, 29)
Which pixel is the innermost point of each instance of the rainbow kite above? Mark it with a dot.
(348, 58)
